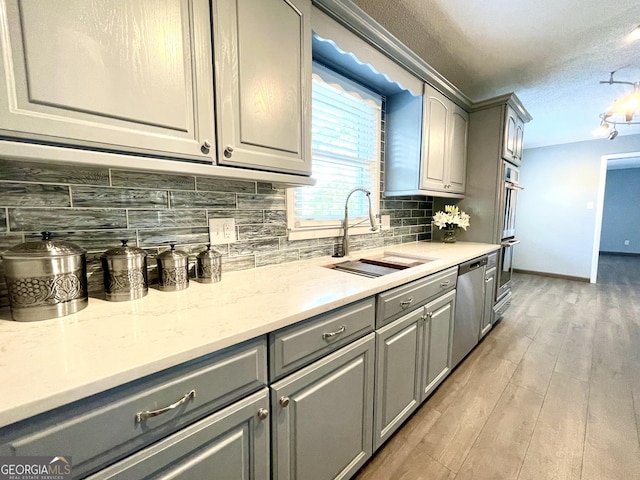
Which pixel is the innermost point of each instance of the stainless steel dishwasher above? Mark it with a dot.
(469, 308)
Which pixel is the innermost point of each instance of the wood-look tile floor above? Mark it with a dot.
(553, 392)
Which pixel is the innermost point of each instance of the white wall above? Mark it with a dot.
(554, 222)
(621, 215)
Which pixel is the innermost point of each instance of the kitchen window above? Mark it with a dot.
(345, 147)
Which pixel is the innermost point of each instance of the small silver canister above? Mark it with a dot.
(46, 279)
(209, 266)
(125, 273)
(173, 269)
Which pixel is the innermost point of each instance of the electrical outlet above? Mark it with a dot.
(222, 230)
(626, 242)
(385, 222)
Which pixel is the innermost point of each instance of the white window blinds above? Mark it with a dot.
(345, 143)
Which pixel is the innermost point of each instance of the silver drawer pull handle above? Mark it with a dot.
(406, 303)
(445, 284)
(142, 416)
(333, 334)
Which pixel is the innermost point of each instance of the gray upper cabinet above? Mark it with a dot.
(322, 416)
(444, 145)
(427, 140)
(513, 137)
(123, 75)
(263, 83)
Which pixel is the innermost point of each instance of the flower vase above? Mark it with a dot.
(449, 236)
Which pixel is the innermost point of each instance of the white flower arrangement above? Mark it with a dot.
(451, 219)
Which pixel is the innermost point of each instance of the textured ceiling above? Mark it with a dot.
(551, 53)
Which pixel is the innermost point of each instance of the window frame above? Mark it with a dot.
(333, 228)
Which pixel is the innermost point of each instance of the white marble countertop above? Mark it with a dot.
(50, 363)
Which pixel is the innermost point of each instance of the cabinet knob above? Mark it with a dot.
(429, 314)
(263, 413)
(284, 401)
(207, 145)
(228, 151)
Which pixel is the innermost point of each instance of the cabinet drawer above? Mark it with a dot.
(103, 428)
(300, 344)
(393, 303)
(233, 443)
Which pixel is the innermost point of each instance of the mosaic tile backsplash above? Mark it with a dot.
(96, 207)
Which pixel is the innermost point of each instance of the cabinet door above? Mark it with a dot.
(489, 298)
(510, 135)
(124, 75)
(233, 443)
(322, 416)
(437, 342)
(263, 83)
(435, 141)
(458, 150)
(397, 374)
(519, 141)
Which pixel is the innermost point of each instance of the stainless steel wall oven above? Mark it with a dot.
(509, 200)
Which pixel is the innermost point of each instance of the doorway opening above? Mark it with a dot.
(614, 240)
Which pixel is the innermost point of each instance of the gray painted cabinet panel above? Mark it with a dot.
(435, 146)
(458, 150)
(298, 345)
(489, 297)
(263, 83)
(437, 342)
(120, 75)
(322, 416)
(397, 374)
(230, 444)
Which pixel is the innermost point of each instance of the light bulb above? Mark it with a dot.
(634, 35)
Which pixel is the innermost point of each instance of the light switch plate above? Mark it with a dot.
(385, 222)
(222, 230)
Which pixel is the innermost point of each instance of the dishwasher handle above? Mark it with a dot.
(472, 265)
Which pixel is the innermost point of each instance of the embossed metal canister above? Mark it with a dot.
(209, 266)
(46, 279)
(125, 273)
(173, 269)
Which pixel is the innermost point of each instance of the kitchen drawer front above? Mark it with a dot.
(393, 303)
(105, 427)
(229, 444)
(298, 345)
(492, 260)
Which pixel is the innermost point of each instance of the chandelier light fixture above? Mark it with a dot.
(623, 110)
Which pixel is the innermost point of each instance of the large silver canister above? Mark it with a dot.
(46, 279)
(209, 266)
(173, 269)
(125, 273)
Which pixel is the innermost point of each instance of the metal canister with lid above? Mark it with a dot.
(173, 269)
(46, 279)
(125, 273)
(209, 266)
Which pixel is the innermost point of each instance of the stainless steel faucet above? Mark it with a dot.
(345, 223)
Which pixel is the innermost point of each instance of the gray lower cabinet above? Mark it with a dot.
(398, 350)
(126, 75)
(230, 444)
(322, 416)
(111, 426)
(489, 296)
(437, 340)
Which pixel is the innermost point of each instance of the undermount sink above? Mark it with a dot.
(373, 267)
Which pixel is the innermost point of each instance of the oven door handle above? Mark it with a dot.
(509, 243)
(513, 186)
